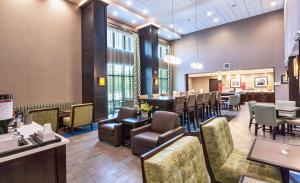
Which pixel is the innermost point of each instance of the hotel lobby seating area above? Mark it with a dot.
(141, 91)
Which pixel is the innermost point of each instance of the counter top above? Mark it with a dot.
(27, 130)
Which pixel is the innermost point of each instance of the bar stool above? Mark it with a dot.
(190, 111)
(206, 105)
(212, 103)
(199, 107)
(179, 108)
(219, 103)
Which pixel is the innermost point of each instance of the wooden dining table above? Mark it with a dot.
(272, 153)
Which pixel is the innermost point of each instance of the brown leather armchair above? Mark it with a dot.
(110, 130)
(164, 126)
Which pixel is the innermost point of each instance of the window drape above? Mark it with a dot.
(165, 71)
(123, 66)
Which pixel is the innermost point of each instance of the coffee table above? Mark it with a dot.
(269, 152)
(131, 123)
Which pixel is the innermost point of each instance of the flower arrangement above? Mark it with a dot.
(145, 107)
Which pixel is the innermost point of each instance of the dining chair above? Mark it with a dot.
(265, 115)
(232, 102)
(212, 103)
(226, 163)
(251, 106)
(199, 107)
(81, 114)
(286, 103)
(206, 104)
(47, 115)
(141, 97)
(183, 161)
(191, 112)
(179, 103)
(219, 103)
(129, 103)
(155, 95)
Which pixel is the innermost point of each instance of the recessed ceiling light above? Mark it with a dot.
(128, 3)
(169, 37)
(158, 32)
(180, 30)
(115, 13)
(216, 20)
(209, 13)
(145, 12)
(171, 26)
(274, 3)
(133, 21)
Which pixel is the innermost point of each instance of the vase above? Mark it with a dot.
(144, 114)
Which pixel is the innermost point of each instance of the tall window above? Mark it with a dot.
(120, 76)
(163, 70)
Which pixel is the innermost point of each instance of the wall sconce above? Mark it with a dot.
(155, 81)
(101, 81)
(296, 67)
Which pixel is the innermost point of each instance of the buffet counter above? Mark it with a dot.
(267, 97)
(41, 163)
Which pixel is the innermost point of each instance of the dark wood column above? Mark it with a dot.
(94, 55)
(294, 90)
(149, 59)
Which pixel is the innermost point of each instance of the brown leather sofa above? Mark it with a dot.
(110, 130)
(164, 126)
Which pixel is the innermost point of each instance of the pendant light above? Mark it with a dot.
(197, 64)
(169, 58)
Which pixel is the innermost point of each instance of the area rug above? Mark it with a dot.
(82, 130)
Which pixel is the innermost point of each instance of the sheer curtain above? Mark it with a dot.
(123, 66)
(165, 71)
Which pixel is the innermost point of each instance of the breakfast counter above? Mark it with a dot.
(42, 163)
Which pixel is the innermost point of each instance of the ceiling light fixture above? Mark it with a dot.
(145, 12)
(115, 13)
(171, 26)
(274, 3)
(158, 32)
(196, 64)
(128, 3)
(133, 21)
(209, 13)
(172, 59)
(180, 30)
(216, 20)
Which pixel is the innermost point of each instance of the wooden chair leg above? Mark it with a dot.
(271, 129)
(256, 128)
(250, 123)
(72, 130)
(264, 128)
(274, 132)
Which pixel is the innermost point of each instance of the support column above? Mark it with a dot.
(149, 59)
(294, 90)
(94, 56)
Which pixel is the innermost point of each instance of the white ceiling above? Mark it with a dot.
(159, 12)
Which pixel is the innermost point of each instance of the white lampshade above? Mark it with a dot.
(197, 65)
(171, 59)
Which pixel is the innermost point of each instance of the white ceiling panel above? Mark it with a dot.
(141, 12)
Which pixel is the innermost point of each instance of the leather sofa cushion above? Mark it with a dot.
(108, 129)
(148, 139)
(126, 113)
(164, 121)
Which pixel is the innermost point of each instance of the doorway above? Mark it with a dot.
(213, 85)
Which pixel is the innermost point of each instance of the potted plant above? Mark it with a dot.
(145, 109)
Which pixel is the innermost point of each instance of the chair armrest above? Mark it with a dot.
(162, 138)
(141, 129)
(107, 121)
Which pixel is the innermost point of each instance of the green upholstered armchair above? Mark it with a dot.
(47, 115)
(81, 114)
(251, 106)
(179, 160)
(228, 164)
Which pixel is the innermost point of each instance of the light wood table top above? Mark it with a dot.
(246, 179)
(269, 152)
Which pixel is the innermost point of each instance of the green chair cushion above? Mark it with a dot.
(182, 161)
(67, 121)
(237, 165)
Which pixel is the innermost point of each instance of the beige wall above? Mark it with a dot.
(252, 43)
(198, 83)
(40, 50)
